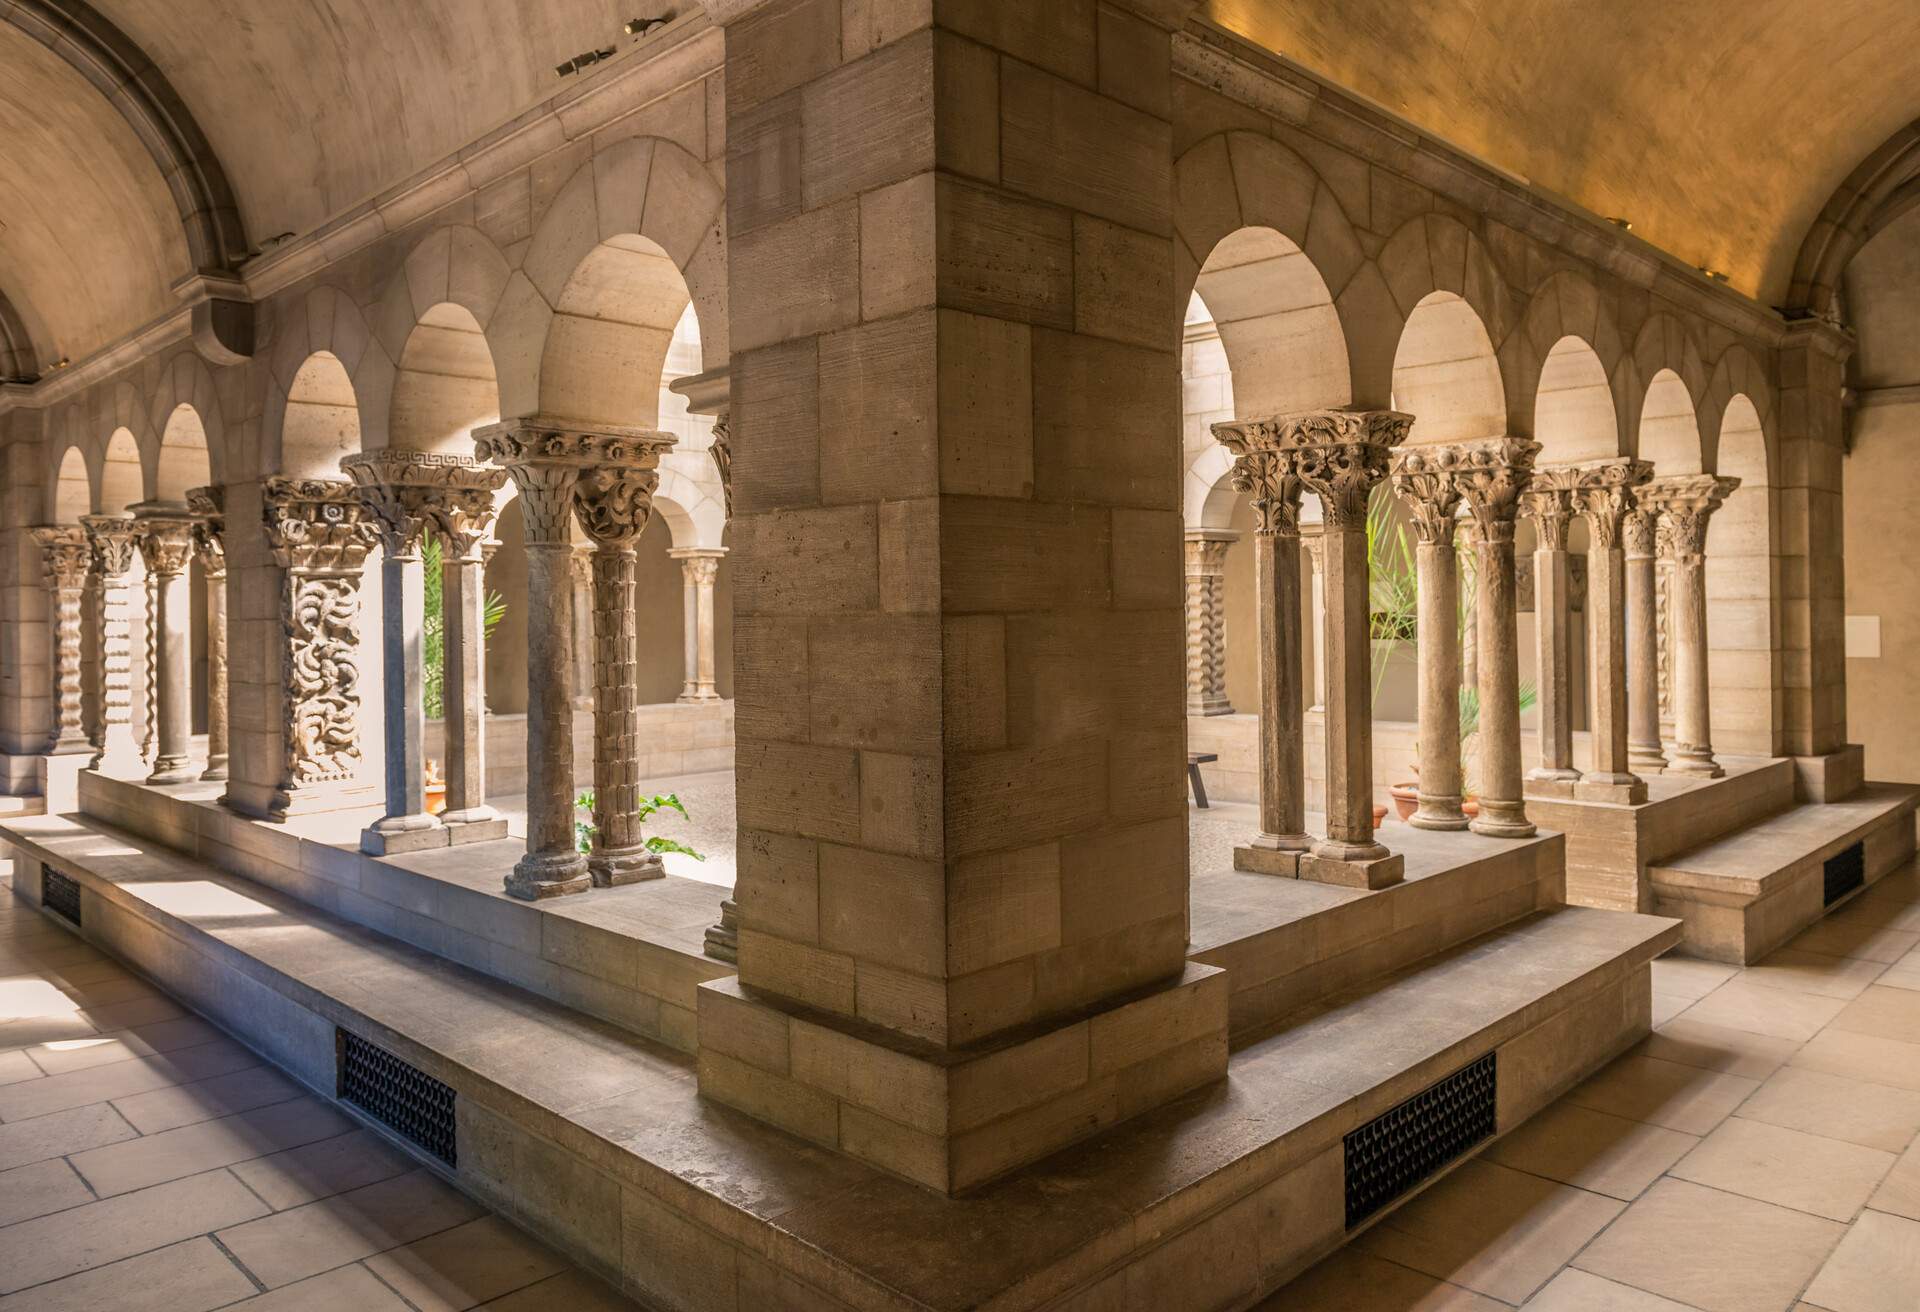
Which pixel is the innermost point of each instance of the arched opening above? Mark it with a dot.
(445, 387)
(121, 482)
(1573, 414)
(322, 421)
(612, 328)
(1669, 432)
(122, 486)
(72, 491)
(1741, 584)
(183, 464)
(1445, 373)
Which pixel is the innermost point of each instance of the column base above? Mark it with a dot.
(1644, 759)
(1695, 767)
(1267, 861)
(704, 696)
(394, 834)
(1440, 811)
(1503, 820)
(1560, 790)
(1541, 774)
(540, 875)
(1619, 789)
(173, 770)
(723, 939)
(70, 747)
(1210, 706)
(627, 865)
(474, 824)
(216, 770)
(1352, 865)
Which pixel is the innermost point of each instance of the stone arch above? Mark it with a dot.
(1668, 432)
(1664, 354)
(1428, 255)
(182, 460)
(445, 385)
(1445, 372)
(1574, 418)
(1207, 397)
(327, 324)
(641, 197)
(186, 381)
(70, 491)
(320, 421)
(1738, 375)
(122, 480)
(1565, 304)
(1742, 578)
(691, 511)
(451, 282)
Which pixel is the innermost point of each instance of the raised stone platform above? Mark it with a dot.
(1610, 844)
(1743, 895)
(597, 1140)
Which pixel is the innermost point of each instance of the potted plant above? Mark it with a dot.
(584, 830)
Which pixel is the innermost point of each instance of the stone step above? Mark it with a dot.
(1742, 895)
(598, 1141)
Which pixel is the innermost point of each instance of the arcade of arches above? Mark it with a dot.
(885, 654)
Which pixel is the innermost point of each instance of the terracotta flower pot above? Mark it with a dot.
(1379, 814)
(1406, 800)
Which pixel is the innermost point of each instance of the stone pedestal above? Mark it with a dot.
(1604, 491)
(699, 566)
(164, 533)
(463, 517)
(1340, 456)
(112, 539)
(1492, 475)
(318, 535)
(1644, 754)
(1685, 504)
(66, 556)
(614, 499)
(1548, 504)
(209, 551)
(1423, 480)
(1207, 619)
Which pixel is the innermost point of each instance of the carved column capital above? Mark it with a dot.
(608, 471)
(163, 531)
(1604, 494)
(1637, 531)
(208, 505)
(699, 564)
(1492, 475)
(1423, 480)
(722, 453)
(1267, 477)
(65, 555)
(112, 538)
(1339, 455)
(1684, 504)
(316, 525)
(1550, 502)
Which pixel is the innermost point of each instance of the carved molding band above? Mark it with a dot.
(555, 465)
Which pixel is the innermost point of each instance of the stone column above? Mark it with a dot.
(209, 551)
(463, 516)
(614, 499)
(546, 460)
(66, 557)
(1263, 469)
(112, 539)
(1313, 541)
(1549, 503)
(1685, 505)
(1605, 495)
(165, 539)
(1340, 455)
(319, 535)
(1492, 476)
(1644, 754)
(1423, 479)
(1207, 620)
(699, 566)
(581, 582)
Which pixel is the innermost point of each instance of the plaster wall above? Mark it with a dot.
(1883, 586)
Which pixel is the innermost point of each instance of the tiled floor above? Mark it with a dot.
(149, 1164)
(1756, 1154)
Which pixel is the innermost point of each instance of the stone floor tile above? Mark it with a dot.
(120, 1045)
(1840, 935)
(319, 1236)
(1666, 1093)
(1582, 1291)
(1776, 1165)
(343, 1289)
(469, 1264)
(1902, 974)
(1741, 1004)
(1666, 1006)
(78, 1088)
(1876, 1268)
(1592, 1150)
(223, 1095)
(1687, 978)
(323, 1169)
(30, 1191)
(1855, 1111)
(59, 1133)
(32, 1031)
(16, 1066)
(1711, 1250)
(1798, 970)
(65, 1243)
(1858, 1057)
(1491, 1229)
(1899, 1193)
(191, 1276)
(122, 1167)
(1884, 1014)
(137, 1011)
(1349, 1281)
(1717, 1048)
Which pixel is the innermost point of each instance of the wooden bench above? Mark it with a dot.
(1194, 761)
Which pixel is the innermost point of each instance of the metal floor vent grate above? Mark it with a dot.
(1845, 871)
(1398, 1149)
(59, 894)
(398, 1094)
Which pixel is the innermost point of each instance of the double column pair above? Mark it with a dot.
(1666, 534)
(605, 479)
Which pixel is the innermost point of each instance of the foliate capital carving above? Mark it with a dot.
(164, 533)
(614, 503)
(700, 570)
(1492, 475)
(1267, 478)
(208, 505)
(112, 540)
(316, 525)
(406, 492)
(1423, 480)
(547, 459)
(722, 453)
(65, 555)
(1637, 531)
(1338, 454)
(1684, 503)
(1206, 551)
(1605, 491)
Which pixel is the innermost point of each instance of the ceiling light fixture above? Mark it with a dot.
(642, 26)
(1713, 274)
(586, 60)
(1625, 225)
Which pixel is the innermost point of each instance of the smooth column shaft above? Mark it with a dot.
(1502, 812)
(216, 675)
(1607, 664)
(1283, 769)
(463, 603)
(1643, 660)
(1691, 712)
(1349, 698)
(403, 689)
(1553, 621)
(1439, 675)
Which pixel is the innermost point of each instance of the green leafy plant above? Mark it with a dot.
(1529, 695)
(1393, 584)
(433, 630)
(584, 830)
